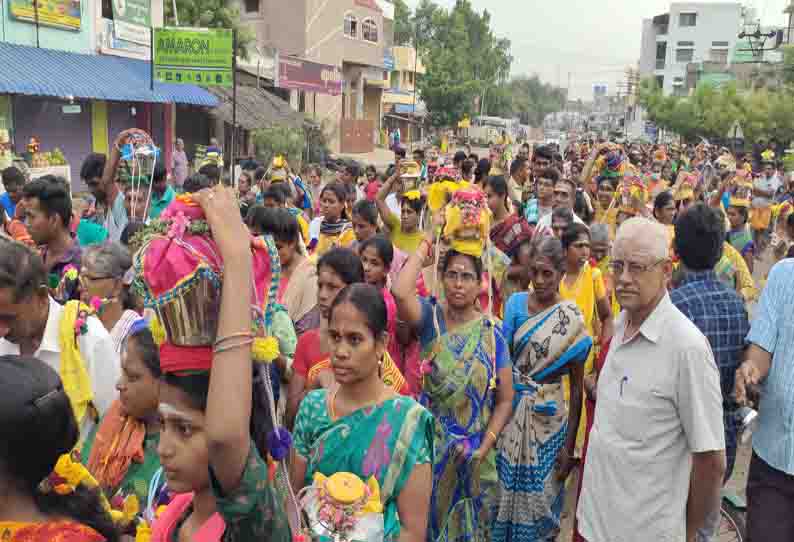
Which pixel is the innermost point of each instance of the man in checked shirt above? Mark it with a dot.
(717, 310)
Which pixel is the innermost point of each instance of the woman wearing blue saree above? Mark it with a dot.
(548, 339)
(362, 426)
(467, 386)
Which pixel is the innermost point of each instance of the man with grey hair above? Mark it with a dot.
(656, 455)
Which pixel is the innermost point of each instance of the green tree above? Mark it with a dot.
(212, 14)
(464, 59)
(527, 98)
(403, 25)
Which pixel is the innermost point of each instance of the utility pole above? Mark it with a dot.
(790, 10)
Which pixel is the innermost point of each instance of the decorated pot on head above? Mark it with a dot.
(468, 221)
(278, 169)
(343, 507)
(742, 190)
(684, 188)
(447, 173)
(632, 197)
(410, 174)
(178, 272)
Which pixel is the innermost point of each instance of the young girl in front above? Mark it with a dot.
(214, 426)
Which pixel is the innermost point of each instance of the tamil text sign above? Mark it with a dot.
(294, 73)
(194, 56)
(132, 20)
(58, 13)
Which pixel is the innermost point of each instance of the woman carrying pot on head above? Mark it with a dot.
(467, 380)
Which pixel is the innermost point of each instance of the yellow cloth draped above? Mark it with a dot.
(76, 382)
(389, 372)
(585, 292)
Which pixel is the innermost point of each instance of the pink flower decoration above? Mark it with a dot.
(179, 224)
(96, 303)
(425, 368)
(78, 325)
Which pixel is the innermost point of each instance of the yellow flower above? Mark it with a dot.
(143, 533)
(265, 350)
(71, 474)
(158, 331)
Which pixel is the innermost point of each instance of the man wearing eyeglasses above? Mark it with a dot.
(657, 446)
(31, 324)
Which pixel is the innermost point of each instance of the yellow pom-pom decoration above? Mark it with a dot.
(158, 331)
(265, 349)
(143, 533)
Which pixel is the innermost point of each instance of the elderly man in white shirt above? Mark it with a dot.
(656, 456)
(30, 323)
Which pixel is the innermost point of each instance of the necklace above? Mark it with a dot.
(332, 408)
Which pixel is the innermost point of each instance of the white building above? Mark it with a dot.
(689, 32)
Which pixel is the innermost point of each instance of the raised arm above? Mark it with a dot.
(228, 415)
(380, 198)
(409, 309)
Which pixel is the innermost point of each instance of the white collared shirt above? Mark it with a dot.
(659, 402)
(100, 357)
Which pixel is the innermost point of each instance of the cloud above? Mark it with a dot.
(593, 40)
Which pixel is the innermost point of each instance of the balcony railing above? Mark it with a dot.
(659, 63)
(661, 30)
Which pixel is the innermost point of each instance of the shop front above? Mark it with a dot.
(73, 104)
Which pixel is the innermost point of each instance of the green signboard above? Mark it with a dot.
(132, 20)
(193, 56)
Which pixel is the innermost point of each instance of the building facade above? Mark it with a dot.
(689, 32)
(351, 38)
(402, 106)
(74, 78)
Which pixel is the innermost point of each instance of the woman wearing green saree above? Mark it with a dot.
(363, 426)
(467, 386)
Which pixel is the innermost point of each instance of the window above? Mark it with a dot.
(395, 80)
(660, 81)
(107, 9)
(719, 55)
(369, 30)
(687, 19)
(719, 44)
(301, 101)
(252, 6)
(686, 43)
(351, 26)
(684, 55)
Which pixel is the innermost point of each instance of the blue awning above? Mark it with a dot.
(47, 72)
(408, 109)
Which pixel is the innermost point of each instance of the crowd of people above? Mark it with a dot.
(456, 348)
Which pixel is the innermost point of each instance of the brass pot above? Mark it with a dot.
(191, 319)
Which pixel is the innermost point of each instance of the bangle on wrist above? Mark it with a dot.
(240, 344)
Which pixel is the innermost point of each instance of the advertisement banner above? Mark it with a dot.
(294, 73)
(132, 20)
(194, 56)
(63, 14)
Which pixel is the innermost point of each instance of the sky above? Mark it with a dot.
(592, 40)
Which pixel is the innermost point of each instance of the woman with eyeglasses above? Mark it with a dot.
(548, 339)
(105, 288)
(466, 384)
